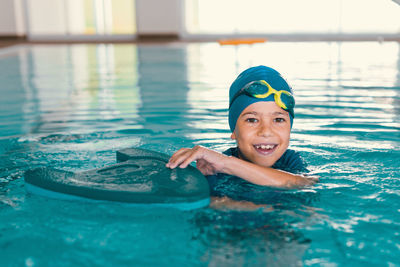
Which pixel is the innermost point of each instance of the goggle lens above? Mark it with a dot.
(262, 89)
(257, 90)
(288, 100)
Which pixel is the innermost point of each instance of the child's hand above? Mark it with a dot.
(208, 161)
(228, 204)
(301, 181)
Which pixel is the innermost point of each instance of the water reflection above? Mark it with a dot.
(163, 92)
(396, 101)
(72, 87)
(61, 100)
(261, 238)
(68, 98)
(15, 100)
(342, 89)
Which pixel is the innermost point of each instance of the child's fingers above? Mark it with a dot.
(179, 152)
(191, 157)
(184, 156)
(309, 180)
(178, 157)
(195, 153)
(313, 180)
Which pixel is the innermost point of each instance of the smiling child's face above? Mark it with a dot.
(262, 133)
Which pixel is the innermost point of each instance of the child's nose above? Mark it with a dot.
(265, 129)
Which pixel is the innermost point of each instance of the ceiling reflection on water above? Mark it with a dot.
(72, 106)
(94, 86)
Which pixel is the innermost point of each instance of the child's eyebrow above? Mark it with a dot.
(280, 113)
(250, 113)
(276, 113)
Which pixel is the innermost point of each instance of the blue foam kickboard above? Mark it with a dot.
(139, 178)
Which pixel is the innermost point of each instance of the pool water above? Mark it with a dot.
(72, 106)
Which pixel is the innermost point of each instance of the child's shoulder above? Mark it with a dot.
(291, 161)
(232, 151)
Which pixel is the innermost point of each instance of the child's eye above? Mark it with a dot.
(279, 120)
(251, 120)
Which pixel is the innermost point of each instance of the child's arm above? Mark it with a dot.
(226, 203)
(210, 162)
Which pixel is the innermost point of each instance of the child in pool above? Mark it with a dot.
(261, 113)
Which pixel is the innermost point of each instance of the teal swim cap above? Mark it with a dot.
(242, 101)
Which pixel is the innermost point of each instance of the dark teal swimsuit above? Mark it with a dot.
(290, 161)
(222, 184)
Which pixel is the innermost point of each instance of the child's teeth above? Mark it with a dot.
(265, 146)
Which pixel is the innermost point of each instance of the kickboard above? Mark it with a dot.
(139, 177)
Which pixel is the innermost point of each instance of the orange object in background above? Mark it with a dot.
(242, 41)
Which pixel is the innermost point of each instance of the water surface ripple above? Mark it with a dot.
(72, 106)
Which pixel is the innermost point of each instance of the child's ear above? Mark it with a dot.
(233, 136)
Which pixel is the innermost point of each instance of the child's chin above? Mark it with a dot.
(264, 163)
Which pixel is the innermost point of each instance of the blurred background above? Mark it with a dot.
(79, 88)
(132, 20)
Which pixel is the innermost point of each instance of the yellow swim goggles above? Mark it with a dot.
(262, 89)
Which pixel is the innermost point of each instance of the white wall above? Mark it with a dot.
(159, 16)
(47, 17)
(55, 17)
(11, 18)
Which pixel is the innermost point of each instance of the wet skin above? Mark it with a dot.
(262, 133)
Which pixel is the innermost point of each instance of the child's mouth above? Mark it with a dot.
(265, 149)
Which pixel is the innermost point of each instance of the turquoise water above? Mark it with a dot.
(72, 106)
